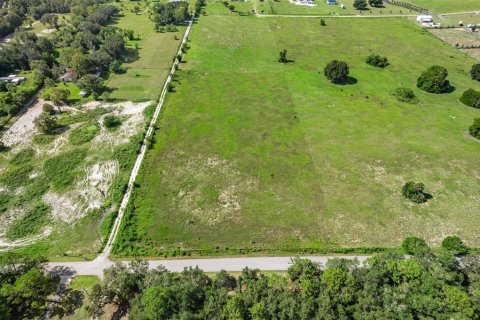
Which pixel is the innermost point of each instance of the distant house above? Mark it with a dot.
(13, 79)
(331, 2)
(425, 18)
(70, 75)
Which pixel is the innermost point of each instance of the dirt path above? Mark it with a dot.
(23, 129)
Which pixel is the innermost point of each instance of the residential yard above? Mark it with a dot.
(145, 76)
(256, 156)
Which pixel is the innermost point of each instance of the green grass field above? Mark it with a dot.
(255, 156)
(285, 7)
(144, 77)
(445, 6)
(465, 18)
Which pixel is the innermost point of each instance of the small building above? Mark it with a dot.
(83, 93)
(13, 79)
(425, 18)
(70, 75)
(331, 2)
(342, 6)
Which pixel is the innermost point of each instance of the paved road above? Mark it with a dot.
(97, 266)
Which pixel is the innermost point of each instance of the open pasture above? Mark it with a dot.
(256, 156)
(144, 77)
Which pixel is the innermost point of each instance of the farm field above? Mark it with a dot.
(473, 18)
(145, 76)
(445, 6)
(285, 7)
(255, 156)
(461, 37)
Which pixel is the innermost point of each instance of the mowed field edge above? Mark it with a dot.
(254, 155)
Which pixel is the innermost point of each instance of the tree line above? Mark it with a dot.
(414, 282)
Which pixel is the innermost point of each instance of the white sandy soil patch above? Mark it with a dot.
(6, 244)
(87, 194)
(98, 181)
(23, 130)
(132, 122)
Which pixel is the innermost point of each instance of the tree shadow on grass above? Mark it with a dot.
(348, 81)
(450, 89)
(428, 196)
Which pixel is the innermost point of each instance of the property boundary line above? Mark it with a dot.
(138, 162)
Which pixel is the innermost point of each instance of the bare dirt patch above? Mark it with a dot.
(132, 121)
(22, 131)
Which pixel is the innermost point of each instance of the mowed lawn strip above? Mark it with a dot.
(145, 77)
(261, 156)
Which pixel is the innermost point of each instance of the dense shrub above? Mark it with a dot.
(282, 58)
(48, 108)
(414, 191)
(360, 4)
(434, 80)
(377, 61)
(475, 72)
(455, 245)
(405, 95)
(84, 134)
(375, 3)
(474, 129)
(471, 98)
(112, 122)
(336, 71)
(46, 123)
(414, 246)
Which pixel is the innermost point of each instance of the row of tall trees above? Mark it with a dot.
(412, 283)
